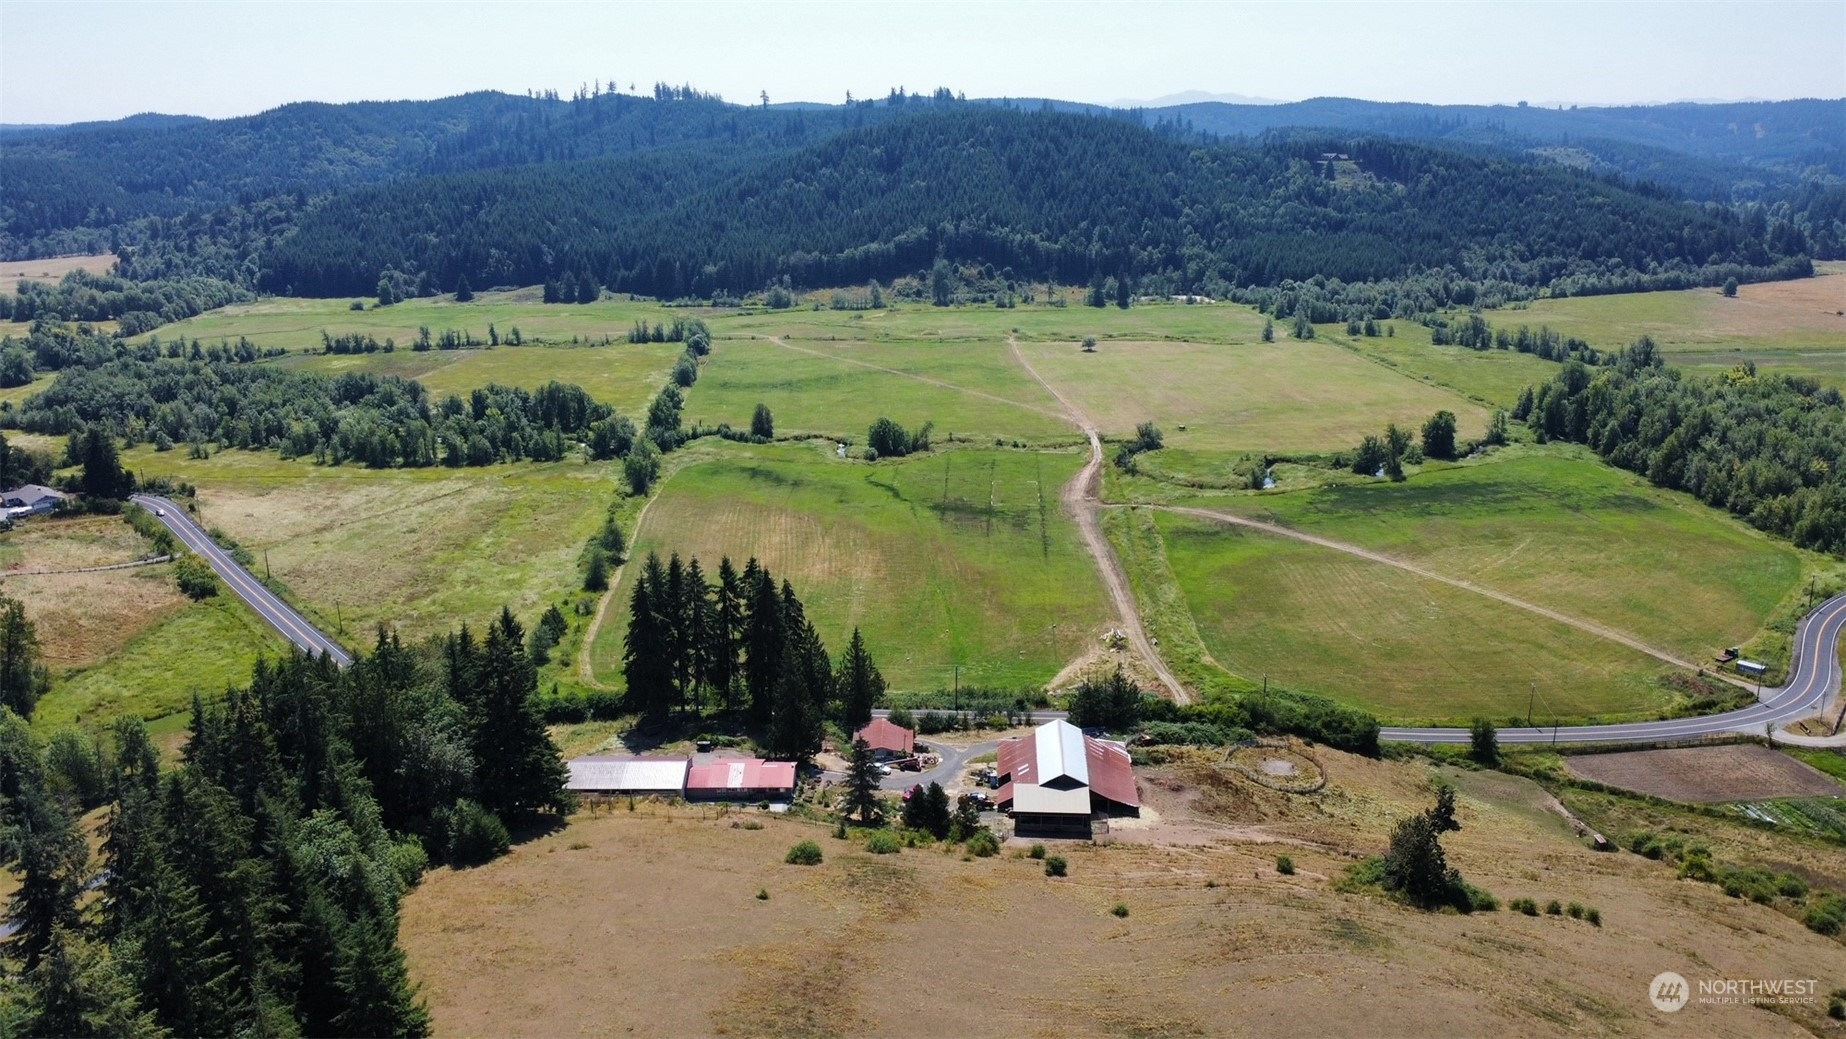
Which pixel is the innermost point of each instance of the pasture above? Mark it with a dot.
(623, 375)
(1490, 378)
(1407, 648)
(1554, 527)
(54, 268)
(1285, 396)
(421, 549)
(973, 390)
(1793, 326)
(84, 618)
(958, 557)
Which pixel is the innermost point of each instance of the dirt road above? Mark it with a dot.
(1082, 498)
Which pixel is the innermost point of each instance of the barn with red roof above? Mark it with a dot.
(887, 739)
(1057, 780)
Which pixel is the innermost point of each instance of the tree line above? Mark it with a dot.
(1765, 447)
(254, 887)
(377, 421)
(741, 644)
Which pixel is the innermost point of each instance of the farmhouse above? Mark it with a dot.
(1057, 780)
(741, 779)
(887, 740)
(615, 774)
(31, 500)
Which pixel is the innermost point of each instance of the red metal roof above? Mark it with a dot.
(883, 734)
(741, 774)
(1111, 774)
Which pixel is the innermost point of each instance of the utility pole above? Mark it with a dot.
(266, 575)
(1811, 578)
(1530, 696)
(957, 688)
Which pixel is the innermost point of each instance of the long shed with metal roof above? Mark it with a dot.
(1057, 780)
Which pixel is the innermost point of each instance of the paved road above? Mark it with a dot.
(280, 615)
(1816, 676)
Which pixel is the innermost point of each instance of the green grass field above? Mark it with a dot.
(1554, 527)
(1490, 378)
(424, 549)
(976, 390)
(625, 376)
(206, 648)
(1315, 620)
(955, 557)
(1285, 396)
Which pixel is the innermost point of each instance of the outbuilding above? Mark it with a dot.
(617, 774)
(741, 779)
(1057, 781)
(887, 739)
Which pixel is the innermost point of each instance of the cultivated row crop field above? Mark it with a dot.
(963, 560)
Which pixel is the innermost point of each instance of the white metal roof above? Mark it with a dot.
(623, 774)
(1062, 760)
(1031, 797)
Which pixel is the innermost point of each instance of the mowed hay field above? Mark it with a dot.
(84, 618)
(648, 923)
(421, 549)
(1553, 526)
(1404, 647)
(1283, 396)
(54, 268)
(1794, 326)
(961, 556)
(623, 375)
(1490, 378)
(839, 388)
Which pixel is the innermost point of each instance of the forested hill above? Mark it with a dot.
(1051, 196)
(69, 187)
(98, 175)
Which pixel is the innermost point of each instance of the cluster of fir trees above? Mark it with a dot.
(1040, 193)
(377, 421)
(742, 645)
(1765, 447)
(254, 889)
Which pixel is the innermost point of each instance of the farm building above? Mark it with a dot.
(887, 740)
(1057, 780)
(741, 779)
(614, 774)
(31, 500)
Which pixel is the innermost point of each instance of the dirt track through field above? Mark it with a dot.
(1591, 627)
(1082, 498)
(779, 341)
(584, 671)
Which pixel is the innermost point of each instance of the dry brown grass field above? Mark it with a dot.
(52, 268)
(84, 618)
(649, 923)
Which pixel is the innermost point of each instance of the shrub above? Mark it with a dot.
(476, 835)
(1826, 915)
(1554, 908)
(1594, 916)
(1576, 910)
(984, 844)
(1523, 905)
(1037, 852)
(1055, 866)
(883, 842)
(806, 853)
(1479, 900)
(1285, 865)
(762, 894)
(195, 577)
(1120, 910)
(1790, 886)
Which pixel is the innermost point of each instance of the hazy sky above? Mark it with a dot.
(69, 61)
